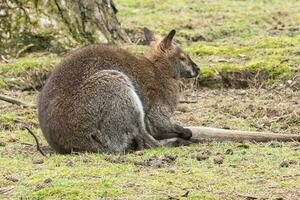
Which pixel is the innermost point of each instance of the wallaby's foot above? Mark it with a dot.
(183, 133)
(139, 144)
(175, 142)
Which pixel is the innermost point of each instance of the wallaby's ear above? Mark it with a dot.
(149, 35)
(167, 41)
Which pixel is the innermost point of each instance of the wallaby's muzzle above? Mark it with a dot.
(195, 72)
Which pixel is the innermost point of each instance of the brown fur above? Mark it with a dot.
(86, 104)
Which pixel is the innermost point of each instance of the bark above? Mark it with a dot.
(57, 25)
(91, 20)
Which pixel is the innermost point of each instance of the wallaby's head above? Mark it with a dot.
(163, 50)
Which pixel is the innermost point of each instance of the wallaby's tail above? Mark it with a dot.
(36, 140)
(204, 134)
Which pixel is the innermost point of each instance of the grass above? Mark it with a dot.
(235, 36)
(252, 167)
(89, 176)
(246, 37)
(26, 73)
(237, 44)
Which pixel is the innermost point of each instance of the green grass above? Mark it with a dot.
(229, 36)
(253, 36)
(247, 169)
(90, 176)
(244, 42)
(27, 63)
(26, 73)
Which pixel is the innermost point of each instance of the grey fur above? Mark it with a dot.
(103, 99)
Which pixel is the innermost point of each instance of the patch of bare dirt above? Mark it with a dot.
(157, 162)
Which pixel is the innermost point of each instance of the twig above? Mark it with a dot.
(36, 140)
(6, 190)
(15, 101)
(25, 143)
(3, 58)
(250, 197)
(188, 101)
(23, 49)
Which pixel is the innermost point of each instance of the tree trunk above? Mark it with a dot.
(57, 24)
(91, 20)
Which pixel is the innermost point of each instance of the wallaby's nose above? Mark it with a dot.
(197, 69)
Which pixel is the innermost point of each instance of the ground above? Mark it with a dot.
(249, 56)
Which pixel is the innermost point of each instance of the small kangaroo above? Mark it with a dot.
(103, 99)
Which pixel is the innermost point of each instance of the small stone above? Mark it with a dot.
(12, 179)
(170, 157)
(226, 127)
(12, 138)
(172, 171)
(48, 180)
(139, 153)
(229, 152)
(242, 55)
(279, 198)
(2, 144)
(201, 157)
(222, 60)
(287, 163)
(243, 145)
(219, 160)
(38, 161)
(70, 163)
(243, 92)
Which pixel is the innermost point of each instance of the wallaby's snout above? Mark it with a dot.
(194, 70)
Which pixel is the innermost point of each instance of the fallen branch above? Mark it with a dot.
(4, 59)
(36, 141)
(23, 49)
(188, 101)
(250, 197)
(204, 134)
(15, 101)
(6, 190)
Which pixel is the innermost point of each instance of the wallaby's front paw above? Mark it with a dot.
(185, 133)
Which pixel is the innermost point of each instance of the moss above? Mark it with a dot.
(2, 84)
(23, 64)
(26, 73)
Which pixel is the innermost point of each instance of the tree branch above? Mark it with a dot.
(36, 141)
(15, 101)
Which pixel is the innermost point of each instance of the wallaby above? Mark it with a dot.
(103, 99)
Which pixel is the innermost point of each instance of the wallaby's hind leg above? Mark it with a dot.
(120, 118)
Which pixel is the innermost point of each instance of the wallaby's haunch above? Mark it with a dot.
(103, 99)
